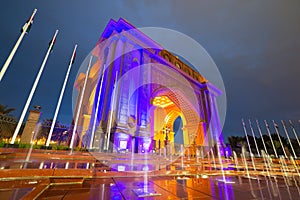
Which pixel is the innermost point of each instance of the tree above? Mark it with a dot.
(4, 110)
(58, 132)
(236, 142)
(7, 122)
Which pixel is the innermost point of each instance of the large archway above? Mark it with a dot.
(178, 133)
(170, 106)
(134, 79)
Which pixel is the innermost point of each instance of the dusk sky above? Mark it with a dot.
(255, 44)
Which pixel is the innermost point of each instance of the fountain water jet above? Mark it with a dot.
(294, 131)
(252, 160)
(213, 157)
(284, 128)
(254, 138)
(41, 165)
(145, 191)
(277, 132)
(246, 134)
(237, 166)
(261, 136)
(285, 175)
(67, 165)
(245, 161)
(260, 189)
(269, 133)
(71, 146)
(243, 155)
(222, 168)
(28, 155)
(295, 165)
(296, 184)
(268, 167)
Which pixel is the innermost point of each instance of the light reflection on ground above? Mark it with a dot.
(58, 175)
(168, 187)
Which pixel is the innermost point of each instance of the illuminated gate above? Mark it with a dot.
(142, 89)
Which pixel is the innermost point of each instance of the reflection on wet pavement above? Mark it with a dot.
(169, 187)
(58, 175)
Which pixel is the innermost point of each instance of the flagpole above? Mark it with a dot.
(262, 138)
(294, 131)
(268, 130)
(287, 134)
(96, 111)
(250, 151)
(80, 104)
(276, 130)
(246, 134)
(61, 96)
(254, 138)
(111, 114)
(13, 51)
(33, 90)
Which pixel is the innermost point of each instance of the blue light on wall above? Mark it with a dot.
(178, 137)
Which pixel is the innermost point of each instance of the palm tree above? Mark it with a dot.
(235, 141)
(4, 110)
(58, 131)
(7, 122)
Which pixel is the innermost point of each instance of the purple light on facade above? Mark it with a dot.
(228, 151)
(137, 107)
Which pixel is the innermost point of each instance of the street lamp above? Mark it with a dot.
(166, 130)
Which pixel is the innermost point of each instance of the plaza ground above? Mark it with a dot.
(46, 175)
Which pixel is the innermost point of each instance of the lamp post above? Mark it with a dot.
(166, 130)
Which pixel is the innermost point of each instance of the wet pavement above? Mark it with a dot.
(60, 175)
(164, 188)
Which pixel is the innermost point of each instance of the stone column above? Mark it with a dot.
(107, 92)
(99, 132)
(143, 105)
(84, 115)
(216, 125)
(208, 137)
(28, 132)
(186, 139)
(122, 139)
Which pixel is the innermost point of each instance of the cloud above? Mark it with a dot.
(255, 44)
